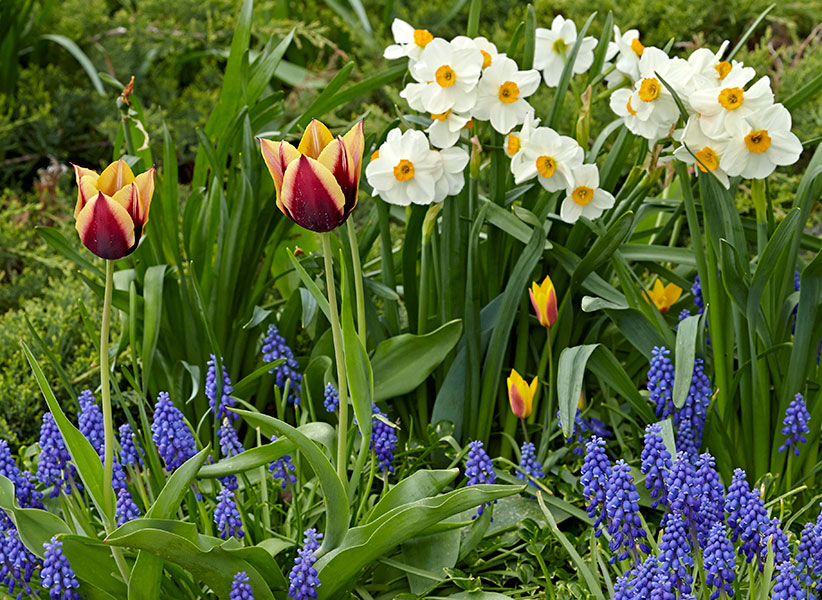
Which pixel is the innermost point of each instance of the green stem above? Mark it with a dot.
(342, 383)
(387, 258)
(546, 416)
(355, 260)
(543, 364)
(264, 491)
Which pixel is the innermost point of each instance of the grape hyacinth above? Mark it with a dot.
(795, 425)
(331, 398)
(711, 495)
(690, 419)
(27, 496)
(582, 427)
(661, 381)
(622, 509)
(303, 580)
(54, 468)
(596, 471)
(170, 432)
(130, 451)
(240, 588)
(638, 582)
(719, 561)
(696, 290)
(90, 421)
(675, 552)
(383, 440)
(806, 565)
(227, 515)
(683, 489)
(735, 501)
(17, 563)
(786, 586)
(656, 464)
(57, 575)
(479, 469)
(282, 469)
(118, 476)
(529, 466)
(772, 531)
(274, 348)
(220, 408)
(752, 526)
(127, 510)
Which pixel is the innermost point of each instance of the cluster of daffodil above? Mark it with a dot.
(733, 127)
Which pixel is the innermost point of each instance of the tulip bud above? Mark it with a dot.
(112, 208)
(544, 301)
(521, 395)
(663, 296)
(316, 183)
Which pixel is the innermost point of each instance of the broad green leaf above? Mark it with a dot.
(148, 570)
(311, 286)
(152, 316)
(604, 247)
(250, 459)
(403, 362)
(177, 486)
(337, 509)
(668, 436)
(431, 553)
(421, 484)
(94, 566)
(572, 365)
(478, 596)
(35, 526)
(684, 357)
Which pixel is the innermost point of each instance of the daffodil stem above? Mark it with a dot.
(355, 260)
(342, 383)
(108, 424)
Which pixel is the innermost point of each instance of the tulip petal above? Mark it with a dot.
(106, 228)
(354, 141)
(86, 190)
(311, 196)
(334, 157)
(129, 198)
(277, 156)
(315, 138)
(114, 177)
(145, 185)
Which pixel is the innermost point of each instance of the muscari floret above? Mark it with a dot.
(227, 515)
(596, 472)
(656, 464)
(529, 466)
(622, 509)
(479, 469)
(170, 432)
(130, 451)
(220, 408)
(240, 588)
(57, 575)
(795, 425)
(274, 348)
(719, 561)
(303, 580)
(54, 468)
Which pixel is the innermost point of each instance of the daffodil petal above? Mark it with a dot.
(311, 195)
(114, 177)
(106, 228)
(315, 138)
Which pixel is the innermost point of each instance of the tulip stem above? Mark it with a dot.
(342, 383)
(355, 259)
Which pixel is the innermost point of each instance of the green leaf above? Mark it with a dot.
(431, 553)
(337, 509)
(555, 113)
(685, 350)
(572, 363)
(605, 365)
(94, 566)
(265, 67)
(668, 436)
(358, 370)
(80, 57)
(152, 316)
(421, 484)
(604, 247)
(58, 242)
(748, 33)
(244, 387)
(311, 286)
(177, 486)
(35, 526)
(250, 459)
(403, 362)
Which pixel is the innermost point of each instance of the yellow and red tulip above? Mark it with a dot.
(112, 208)
(544, 301)
(663, 296)
(317, 182)
(521, 394)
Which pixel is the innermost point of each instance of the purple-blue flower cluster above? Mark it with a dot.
(383, 440)
(282, 469)
(795, 425)
(274, 348)
(219, 407)
(240, 588)
(227, 515)
(622, 510)
(27, 496)
(17, 563)
(130, 451)
(54, 468)
(331, 398)
(478, 468)
(675, 553)
(127, 510)
(57, 575)
(303, 580)
(582, 428)
(719, 561)
(656, 464)
(529, 466)
(90, 421)
(661, 381)
(596, 472)
(170, 432)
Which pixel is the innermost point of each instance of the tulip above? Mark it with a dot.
(112, 208)
(663, 296)
(521, 395)
(317, 182)
(544, 300)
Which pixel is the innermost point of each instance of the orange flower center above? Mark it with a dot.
(649, 89)
(637, 47)
(708, 160)
(582, 195)
(629, 107)
(723, 69)
(512, 144)
(508, 92)
(404, 170)
(445, 76)
(422, 37)
(469, 124)
(375, 155)
(546, 165)
(731, 98)
(486, 59)
(758, 141)
(441, 116)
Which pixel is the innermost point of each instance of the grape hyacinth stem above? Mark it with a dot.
(342, 383)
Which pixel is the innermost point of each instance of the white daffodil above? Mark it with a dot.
(445, 128)
(649, 108)
(516, 140)
(722, 108)
(628, 50)
(700, 150)
(452, 180)
(405, 170)
(447, 78)
(487, 49)
(585, 198)
(761, 142)
(410, 42)
(501, 94)
(549, 157)
(553, 45)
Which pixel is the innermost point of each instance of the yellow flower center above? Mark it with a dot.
(422, 37)
(512, 144)
(560, 46)
(723, 69)
(582, 195)
(486, 59)
(375, 155)
(629, 107)
(445, 76)
(731, 98)
(404, 170)
(546, 165)
(637, 46)
(649, 89)
(758, 141)
(508, 92)
(708, 160)
(441, 116)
